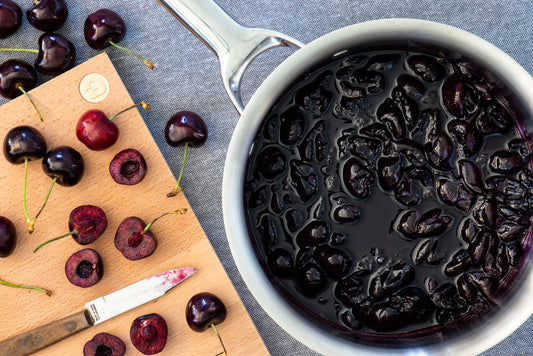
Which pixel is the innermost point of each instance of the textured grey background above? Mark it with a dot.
(186, 78)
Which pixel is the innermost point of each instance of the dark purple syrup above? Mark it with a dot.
(388, 194)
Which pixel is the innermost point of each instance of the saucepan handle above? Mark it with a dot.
(235, 45)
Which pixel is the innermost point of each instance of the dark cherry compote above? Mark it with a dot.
(388, 194)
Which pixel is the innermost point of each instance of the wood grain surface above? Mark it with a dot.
(181, 240)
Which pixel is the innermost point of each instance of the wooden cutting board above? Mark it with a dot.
(181, 240)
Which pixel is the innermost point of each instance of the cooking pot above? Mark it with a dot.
(236, 46)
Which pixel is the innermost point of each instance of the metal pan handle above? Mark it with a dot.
(236, 46)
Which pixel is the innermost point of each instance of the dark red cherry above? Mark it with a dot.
(24, 143)
(205, 310)
(10, 18)
(128, 167)
(98, 132)
(8, 237)
(86, 224)
(148, 333)
(104, 344)
(56, 54)
(104, 28)
(14, 76)
(186, 127)
(84, 268)
(48, 15)
(64, 164)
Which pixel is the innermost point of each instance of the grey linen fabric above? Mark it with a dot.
(186, 77)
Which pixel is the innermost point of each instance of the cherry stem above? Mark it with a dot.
(75, 231)
(147, 62)
(178, 211)
(48, 292)
(177, 188)
(20, 50)
(145, 106)
(32, 223)
(28, 220)
(31, 101)
(219, 338)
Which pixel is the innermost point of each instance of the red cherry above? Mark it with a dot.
(98, 132)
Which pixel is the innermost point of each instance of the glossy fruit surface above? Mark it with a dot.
(64, 163)
(24, 142)
(15, 73)
(10, 18)
(8, 237)
(84, 268)
(204, 309)
(148, 333)
(133, 241)
(89, 221)
(56, 54)
(48, 15)
(104, 344)
(186, 127)
(102, 26)
(96, 131)
(128, 167)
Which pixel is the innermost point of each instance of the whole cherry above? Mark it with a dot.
(55, 54)
(21, 145)
(65, 166)
(10, 18)
(8, 237)
(47, 15)
(84, 268)
(104, 28)
(185, 128)
(98, 132)
(86, 224)
(16, 78)
(148, 333)
(205, 310)
(134, 238)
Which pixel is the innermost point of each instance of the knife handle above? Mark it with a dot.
(38, 338)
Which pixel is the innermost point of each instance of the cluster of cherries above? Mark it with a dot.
(55, 53)
(65, 165)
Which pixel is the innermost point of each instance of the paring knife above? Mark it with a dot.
(96, 312)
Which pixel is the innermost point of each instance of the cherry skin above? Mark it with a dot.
(48, 15)
(8, 237)
(14, 76)
(185, 128)
(104, 344)
(56, 54)
(205, 310)
(86, 224)
(10, 18)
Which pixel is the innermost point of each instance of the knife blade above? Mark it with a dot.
(96, 312)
